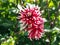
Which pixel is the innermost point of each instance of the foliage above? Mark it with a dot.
(10, 29)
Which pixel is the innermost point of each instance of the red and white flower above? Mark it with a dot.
(32, 17)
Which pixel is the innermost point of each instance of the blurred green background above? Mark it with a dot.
(10, 33)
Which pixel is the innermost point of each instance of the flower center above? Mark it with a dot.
(29, 14)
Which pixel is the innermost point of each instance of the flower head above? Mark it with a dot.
(32, 17)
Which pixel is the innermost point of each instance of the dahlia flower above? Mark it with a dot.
(35, 24)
